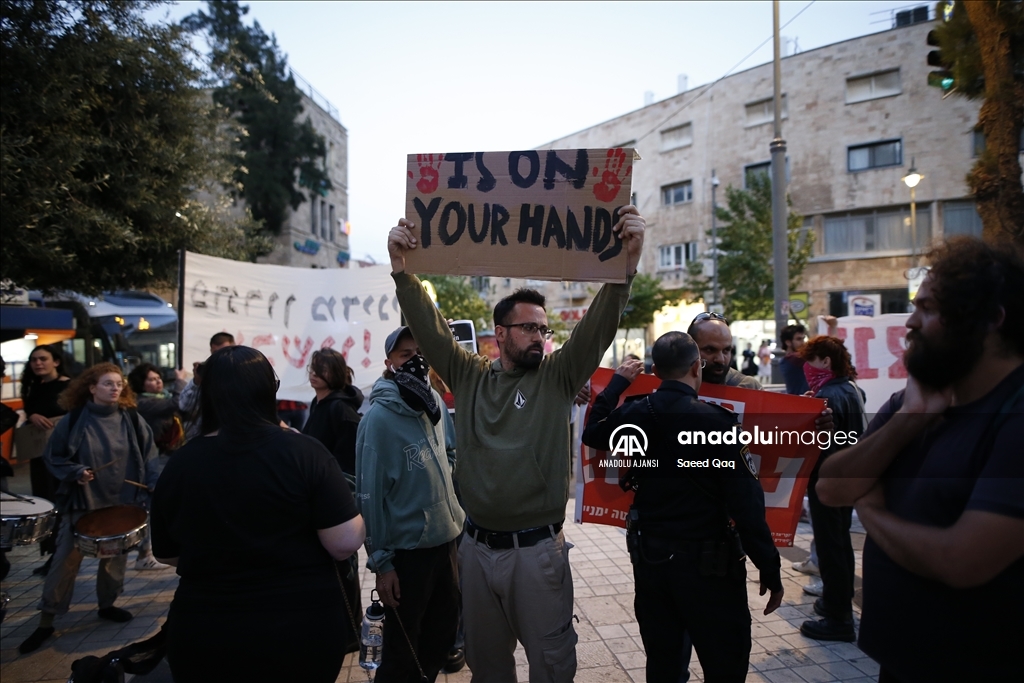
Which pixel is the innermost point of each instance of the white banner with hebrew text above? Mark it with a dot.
(287, 313)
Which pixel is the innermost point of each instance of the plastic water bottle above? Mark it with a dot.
(371, 641)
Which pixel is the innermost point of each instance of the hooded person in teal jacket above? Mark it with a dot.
(405, 454)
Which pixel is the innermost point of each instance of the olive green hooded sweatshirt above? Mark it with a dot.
(512, 426)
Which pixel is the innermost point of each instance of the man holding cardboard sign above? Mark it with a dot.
(512, 432)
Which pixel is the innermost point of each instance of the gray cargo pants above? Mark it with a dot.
(522, 594)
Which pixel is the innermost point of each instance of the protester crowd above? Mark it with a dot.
(461, 516)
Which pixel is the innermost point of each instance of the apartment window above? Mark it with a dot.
(676, 256)
(761, 169)
(763, 111)
(876, 230)
(323, 219)
(875, 155)
(312, 216)
(680, 193)
(331, 222)
(960, 218)
(978, 143)
(674, 138)
(873, 86)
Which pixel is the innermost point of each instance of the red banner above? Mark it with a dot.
(782, 468)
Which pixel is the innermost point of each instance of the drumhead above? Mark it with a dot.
(11, 507)
(113, 521)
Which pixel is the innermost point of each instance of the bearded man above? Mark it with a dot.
(512, 431)
(937, 481)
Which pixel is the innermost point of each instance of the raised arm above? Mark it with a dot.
(428, 326)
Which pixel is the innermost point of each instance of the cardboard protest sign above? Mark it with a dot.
(542, 214)
(783, 465)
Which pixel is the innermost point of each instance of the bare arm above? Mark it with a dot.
(978, 547)
(852, 472)
(343, 539)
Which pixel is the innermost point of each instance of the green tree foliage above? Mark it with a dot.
(983, 46)
(104, 137)
(459, 300)
(252, 80)
(646, 297)
(745, 271)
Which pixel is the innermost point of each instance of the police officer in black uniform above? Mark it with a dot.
(688, 563)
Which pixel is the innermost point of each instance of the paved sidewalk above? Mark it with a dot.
(609, 647)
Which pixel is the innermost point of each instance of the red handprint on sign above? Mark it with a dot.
(300, 348)
(428, 172)
(366, 340)
(611, 181)
(349, 343)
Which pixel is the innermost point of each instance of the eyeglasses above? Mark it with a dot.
(703, 362)
(533, 328)
(701, 317)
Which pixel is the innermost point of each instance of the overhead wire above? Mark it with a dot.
(728, 73)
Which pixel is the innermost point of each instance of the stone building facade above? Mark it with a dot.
(856, 116)
(315, 235)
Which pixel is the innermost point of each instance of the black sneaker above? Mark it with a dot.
(44, 569)
(829, 629)
(115, 614)
(456, 660)
(38, 637)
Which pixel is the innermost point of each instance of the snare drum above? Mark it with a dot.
(25, 520)
(111, 531)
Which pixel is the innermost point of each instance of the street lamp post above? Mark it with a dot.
(912, 179)
(714, 240)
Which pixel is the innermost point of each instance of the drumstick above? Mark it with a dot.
(21, 498)
(103, 467)
(135, 483)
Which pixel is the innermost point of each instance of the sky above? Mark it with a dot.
(420, 77)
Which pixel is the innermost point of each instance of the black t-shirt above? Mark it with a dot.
(242, 519)
(921, 629)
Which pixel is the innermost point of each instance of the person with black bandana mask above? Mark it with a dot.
(405, 455)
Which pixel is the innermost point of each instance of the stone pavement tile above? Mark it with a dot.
(842, 670)
(586, 632)
(604, 610)
(847, 651)
(523, 674)
(773, 644)
(582, 591)
(778, 628)
(612, 631)
(600, 580)
(637, 675)
(609, 589)
(867, 665)
(767, 661)
(820, 654)
(813, 674)
(586, 571)
(593, 655)
(782, 676)
(625, 644)
(800, 641)
(603, 563)
(631, 660)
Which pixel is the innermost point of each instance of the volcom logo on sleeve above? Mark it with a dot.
(520, 399)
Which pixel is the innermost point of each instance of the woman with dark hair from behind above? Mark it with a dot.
(254, 517)
(830, 374)
(333, 421)
(42, 382)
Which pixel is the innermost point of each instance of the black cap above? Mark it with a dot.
(392, 340)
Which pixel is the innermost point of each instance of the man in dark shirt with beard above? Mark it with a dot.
(937, 482)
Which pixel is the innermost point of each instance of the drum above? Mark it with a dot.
(111, 531)
(24, 520)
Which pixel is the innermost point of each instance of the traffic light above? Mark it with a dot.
(944, 77)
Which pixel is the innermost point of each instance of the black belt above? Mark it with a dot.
(503, 540)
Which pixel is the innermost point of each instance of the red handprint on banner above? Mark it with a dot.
(428, 172)
(611, 180)
(300, 348)
(327, 343)
(349, 343)
(366, 341)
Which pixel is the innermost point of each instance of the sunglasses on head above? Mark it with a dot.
(701, 317)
